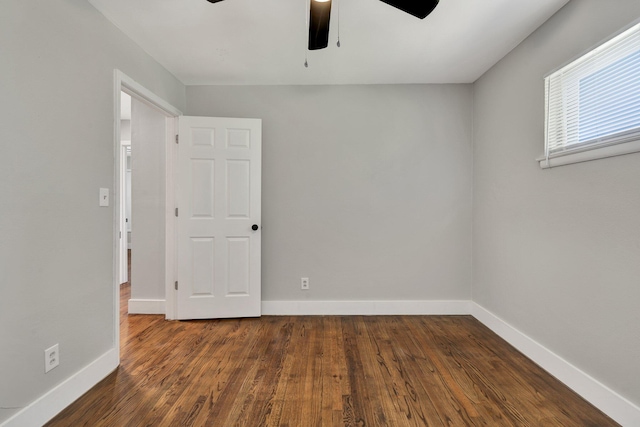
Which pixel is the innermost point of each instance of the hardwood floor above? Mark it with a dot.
(323, 371)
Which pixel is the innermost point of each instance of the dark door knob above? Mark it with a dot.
(254, 227)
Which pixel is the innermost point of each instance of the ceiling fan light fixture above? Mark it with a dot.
(319, 17)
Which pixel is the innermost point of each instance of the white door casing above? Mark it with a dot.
(219, 202)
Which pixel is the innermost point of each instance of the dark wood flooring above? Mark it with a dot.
(324, 371)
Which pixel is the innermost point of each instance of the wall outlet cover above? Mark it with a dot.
(51, 358)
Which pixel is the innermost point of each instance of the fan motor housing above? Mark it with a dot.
(319, 17)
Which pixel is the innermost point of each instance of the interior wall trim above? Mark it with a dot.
(365, 308)
(147, 306)
(55, 400)
(608, 401)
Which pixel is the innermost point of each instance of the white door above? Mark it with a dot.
(219, 202)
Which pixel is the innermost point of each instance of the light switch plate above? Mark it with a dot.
(104, 197)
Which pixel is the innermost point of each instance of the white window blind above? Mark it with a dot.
(594, 102)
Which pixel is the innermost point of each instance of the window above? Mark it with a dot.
(593, 104)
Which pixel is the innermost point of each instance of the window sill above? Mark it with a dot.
(590, 153)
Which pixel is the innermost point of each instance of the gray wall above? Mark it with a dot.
(557, 252)
(148, 160)
(56, 61)
(366, 189)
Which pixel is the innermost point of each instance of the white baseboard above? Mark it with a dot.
(55, 400)
(147, 306)
(608, 401)
(364, 308)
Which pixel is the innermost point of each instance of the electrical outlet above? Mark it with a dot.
(51, 358)
(304, 283)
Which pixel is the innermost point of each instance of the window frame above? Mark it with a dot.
(615, 144)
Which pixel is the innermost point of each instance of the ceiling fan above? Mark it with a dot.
(320, 13)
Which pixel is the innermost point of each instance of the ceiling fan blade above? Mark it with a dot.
(214, 1)
(319, 15)
(419, 9)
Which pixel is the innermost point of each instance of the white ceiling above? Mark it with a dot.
(264, 41)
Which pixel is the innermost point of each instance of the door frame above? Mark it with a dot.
(122, 224)
(124, 83)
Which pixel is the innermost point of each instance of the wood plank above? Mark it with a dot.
(324, 371)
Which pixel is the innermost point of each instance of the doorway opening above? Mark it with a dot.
(140, 115)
